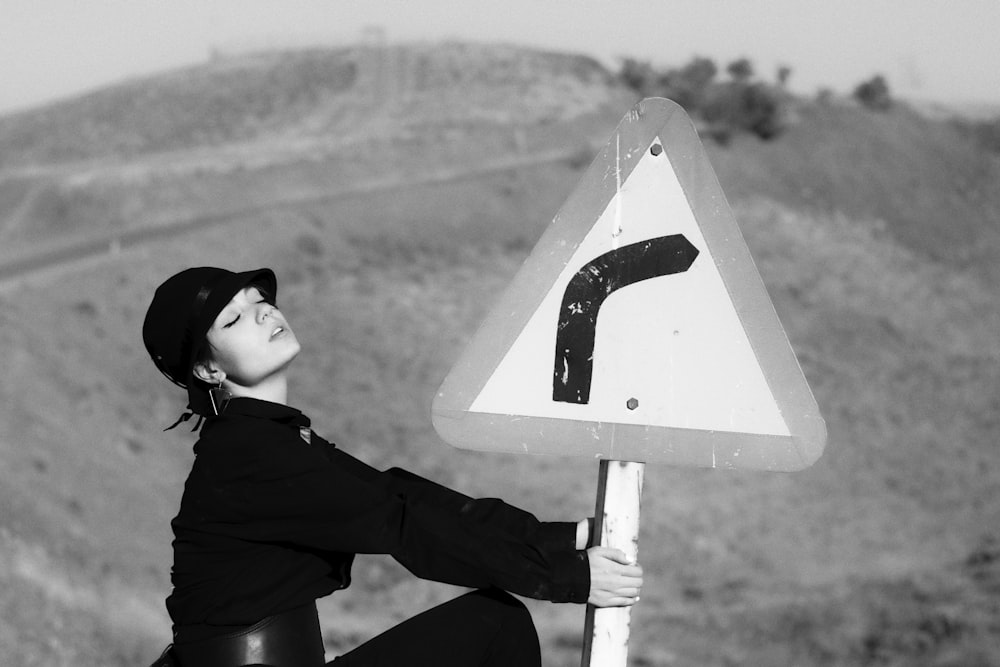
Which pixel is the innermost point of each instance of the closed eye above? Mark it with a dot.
(229, 324)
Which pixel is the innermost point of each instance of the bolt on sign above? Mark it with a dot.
(638, 329)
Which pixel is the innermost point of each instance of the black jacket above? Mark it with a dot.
(269, 521)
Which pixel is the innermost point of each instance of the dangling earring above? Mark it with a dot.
(219, 398)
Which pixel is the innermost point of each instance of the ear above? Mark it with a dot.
(208, 372)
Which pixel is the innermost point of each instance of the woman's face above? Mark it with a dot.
(251, 340)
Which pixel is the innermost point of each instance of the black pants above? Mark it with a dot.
(485, 628)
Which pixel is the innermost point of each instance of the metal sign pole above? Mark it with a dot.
(616, 520)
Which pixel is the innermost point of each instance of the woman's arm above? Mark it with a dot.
(493, 511)
(330, 501)
(614, 581)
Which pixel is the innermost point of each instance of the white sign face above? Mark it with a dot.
(672, 344)
(638, 329)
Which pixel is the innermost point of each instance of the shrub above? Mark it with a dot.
(741, 70)
(874, 94)
(638, 75)
(728, 108)
(687, 86)
(749, 107)
(784, 73)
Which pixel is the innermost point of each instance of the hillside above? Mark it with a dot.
(394, 202)
(303, 94)
(186, 146)
(918, 180)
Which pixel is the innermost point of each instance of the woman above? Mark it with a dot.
(272, 514)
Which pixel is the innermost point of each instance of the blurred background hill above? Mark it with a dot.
(395, 190)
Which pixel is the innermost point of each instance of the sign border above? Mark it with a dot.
(647, 120)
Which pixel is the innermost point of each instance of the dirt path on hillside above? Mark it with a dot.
(54, 257)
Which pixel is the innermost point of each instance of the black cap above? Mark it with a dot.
(180, 315)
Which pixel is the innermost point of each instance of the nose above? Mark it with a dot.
(265, 311)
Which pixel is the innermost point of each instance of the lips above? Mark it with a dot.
(278, 331)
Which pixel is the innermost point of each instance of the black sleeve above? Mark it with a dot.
(334, 502)
(555, 535)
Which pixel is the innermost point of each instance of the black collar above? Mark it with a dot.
(255, 407)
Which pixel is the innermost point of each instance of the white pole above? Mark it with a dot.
(616, 519)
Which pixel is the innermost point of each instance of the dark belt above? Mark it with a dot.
(288, 639)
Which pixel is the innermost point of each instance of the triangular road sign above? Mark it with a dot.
(638, 328)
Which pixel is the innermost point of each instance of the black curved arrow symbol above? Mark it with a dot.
(585, 294)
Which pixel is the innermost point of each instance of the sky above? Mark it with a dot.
(928, 49)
